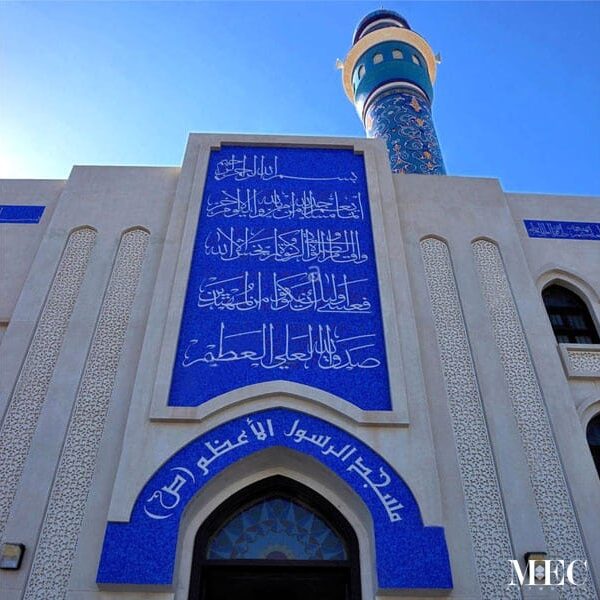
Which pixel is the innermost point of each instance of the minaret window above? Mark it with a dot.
(593, 439)
(416, 60)
(569, 316)
(361, 72)
(397, 54)
(377, 58)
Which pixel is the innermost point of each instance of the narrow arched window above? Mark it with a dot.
(275, 539)
(569, 316)
(361, 72)
(593, 439)
(416, 60)
(397, 54)
(377, 58)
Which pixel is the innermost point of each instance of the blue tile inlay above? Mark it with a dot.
(565, 230)
(404, 121)
(12, 213)
(283, 282)
(142, 551)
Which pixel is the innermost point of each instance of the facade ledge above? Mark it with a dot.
(581, 361)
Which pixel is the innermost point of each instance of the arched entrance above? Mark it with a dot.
(142, 549)
(275, 540)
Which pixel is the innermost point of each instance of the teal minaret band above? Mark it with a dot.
(389, 75)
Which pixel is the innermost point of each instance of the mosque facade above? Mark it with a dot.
(301, 366)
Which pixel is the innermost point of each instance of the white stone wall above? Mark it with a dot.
(489, 413)
(48, 367)
(20, 242)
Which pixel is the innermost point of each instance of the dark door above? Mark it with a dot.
(275, 583)
(275, 540)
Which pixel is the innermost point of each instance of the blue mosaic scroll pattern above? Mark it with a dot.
(404, 121)
(563, 230)
(142, 551)
(283, 282)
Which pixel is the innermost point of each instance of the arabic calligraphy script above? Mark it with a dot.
(163, 502)
(307, 290)
(566, 230)
(143, 549)
(256, 203)
(241, 168)
(269, 348)
(304, 245)
(283, 281)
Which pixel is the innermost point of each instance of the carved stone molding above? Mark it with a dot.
(485, 509)
(557, 514)
(53, 559)
(32, 384)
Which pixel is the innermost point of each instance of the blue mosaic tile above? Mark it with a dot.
(283, 282)
(562, 230)
(404, 121)
(276, 529)
(408, 554)
(13, 213)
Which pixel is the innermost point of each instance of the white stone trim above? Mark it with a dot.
(178, 260)
(557, 514)
(36, 373)
(486, 514)
(53, 559)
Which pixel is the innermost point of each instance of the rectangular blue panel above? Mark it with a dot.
(11, 213)
(566, 230)
(283, 282)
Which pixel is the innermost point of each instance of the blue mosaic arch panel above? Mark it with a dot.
(283, 281)
(408, 554)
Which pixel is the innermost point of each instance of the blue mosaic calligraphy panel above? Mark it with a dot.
(142, 551)
(565, 230)
(15, 213)
(283, 281)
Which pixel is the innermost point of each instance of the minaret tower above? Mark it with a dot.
(388, 75)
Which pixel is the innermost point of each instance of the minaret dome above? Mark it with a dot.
(379, 19)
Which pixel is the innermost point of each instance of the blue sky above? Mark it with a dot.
(517, 94)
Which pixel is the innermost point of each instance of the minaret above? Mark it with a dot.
(388, 75)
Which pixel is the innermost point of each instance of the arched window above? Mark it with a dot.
(361, 72)
(397, 54)
(377, 58)
(416, 60)
(275, 540)
(593, 438)
(569, 316)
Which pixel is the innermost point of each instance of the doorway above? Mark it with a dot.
(275, 540)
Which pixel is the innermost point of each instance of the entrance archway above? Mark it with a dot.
(276, 539)
(142, 549)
